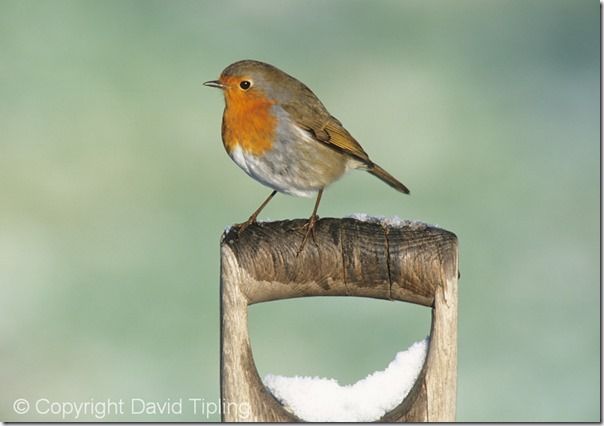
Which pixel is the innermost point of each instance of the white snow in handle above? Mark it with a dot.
(318, 399)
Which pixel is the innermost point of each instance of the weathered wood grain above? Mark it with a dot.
(414, 262)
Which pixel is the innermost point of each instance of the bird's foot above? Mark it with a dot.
(309, 228)
(243, 226)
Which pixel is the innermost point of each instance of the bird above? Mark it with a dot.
(278, 131)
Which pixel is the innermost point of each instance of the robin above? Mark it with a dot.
(278, 131)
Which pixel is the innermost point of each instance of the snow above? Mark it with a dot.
(393, 221)
(318, 399)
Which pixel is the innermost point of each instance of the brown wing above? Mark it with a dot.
(328, 130)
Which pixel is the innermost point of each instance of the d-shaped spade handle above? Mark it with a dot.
(408, 261)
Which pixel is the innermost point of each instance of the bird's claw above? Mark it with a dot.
(243, 226)
(310, 231)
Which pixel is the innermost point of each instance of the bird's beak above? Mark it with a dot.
(214, 83)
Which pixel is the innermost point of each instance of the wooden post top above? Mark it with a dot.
(396, 261)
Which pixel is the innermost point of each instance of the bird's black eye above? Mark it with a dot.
(245, 84)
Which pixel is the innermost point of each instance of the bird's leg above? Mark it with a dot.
(310, 225)
(252, 219)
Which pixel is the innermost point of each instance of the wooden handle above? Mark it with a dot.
(411, 262)
(350, 258)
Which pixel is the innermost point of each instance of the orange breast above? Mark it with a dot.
(248, 122)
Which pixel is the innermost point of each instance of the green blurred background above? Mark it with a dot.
(115, 190)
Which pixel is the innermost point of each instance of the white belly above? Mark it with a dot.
(263, 170)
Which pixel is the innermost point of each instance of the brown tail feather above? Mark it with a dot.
(377, 171)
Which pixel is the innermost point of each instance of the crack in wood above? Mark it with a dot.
(343, 263)
(386, 232)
